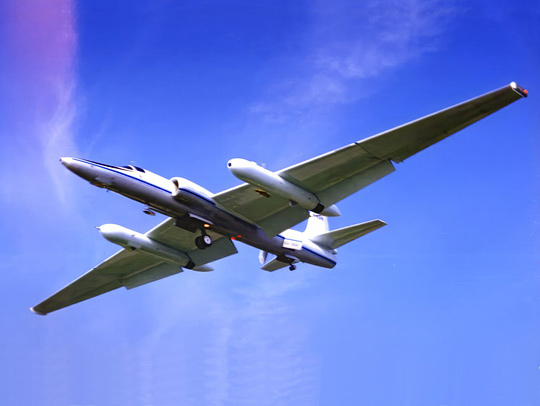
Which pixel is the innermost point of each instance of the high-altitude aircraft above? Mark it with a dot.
(202, 225)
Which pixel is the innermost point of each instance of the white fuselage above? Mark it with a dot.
(182, 199)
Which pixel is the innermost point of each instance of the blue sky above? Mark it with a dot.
(438, 308)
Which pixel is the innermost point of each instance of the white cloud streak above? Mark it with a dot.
(58, 138)
(40, 60)
(243, 348)
(352, 42)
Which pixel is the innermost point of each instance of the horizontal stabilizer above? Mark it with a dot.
(276, 264)
(336, 238)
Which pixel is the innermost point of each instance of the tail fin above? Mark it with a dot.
(262, 256)
(316, 225)
(336, 238)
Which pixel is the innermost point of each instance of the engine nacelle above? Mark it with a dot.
(271, 182)
(188, 191)
(136, 241)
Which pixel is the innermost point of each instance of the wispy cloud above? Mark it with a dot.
(40, 59)
(57, 136)
(269, 352)
(352, 42)
(252, 349)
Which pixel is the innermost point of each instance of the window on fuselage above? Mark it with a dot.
(132, 168)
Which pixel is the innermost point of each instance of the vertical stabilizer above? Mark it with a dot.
(262, 256)
(316, 225)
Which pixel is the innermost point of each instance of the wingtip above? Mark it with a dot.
(33, 310)
(519, 90)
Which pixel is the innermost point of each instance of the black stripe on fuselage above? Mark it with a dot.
(310, 251)
(116, 170)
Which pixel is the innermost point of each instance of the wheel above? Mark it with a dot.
(203, 241)
(207, 240)
(292, 267)
(199, 242)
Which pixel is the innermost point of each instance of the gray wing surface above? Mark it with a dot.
(132, 268)
(168, 234)
(340, 173)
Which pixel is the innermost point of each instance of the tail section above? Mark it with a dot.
(262, 256)
(336, 238)
(316, 245)
(316, 225)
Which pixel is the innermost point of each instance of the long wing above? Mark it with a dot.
(132, 268)
(340, 173)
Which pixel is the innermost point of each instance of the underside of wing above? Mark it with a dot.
(167, 233)
(340, 173)
(408, 139)
(130, 269)
(125, 268)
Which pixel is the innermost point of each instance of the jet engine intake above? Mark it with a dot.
(189, 191)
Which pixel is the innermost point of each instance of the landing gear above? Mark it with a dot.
(203, 241)
(292, 267)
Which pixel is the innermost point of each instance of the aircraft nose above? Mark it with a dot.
(66, 161)
(80, 167)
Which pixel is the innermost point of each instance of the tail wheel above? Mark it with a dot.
(292, 267)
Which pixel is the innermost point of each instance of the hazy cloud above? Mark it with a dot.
(58, 138)
(351, 43)
(40, 61)
(248, 346)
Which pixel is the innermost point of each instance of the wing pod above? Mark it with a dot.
(136, 241)
(271, 182)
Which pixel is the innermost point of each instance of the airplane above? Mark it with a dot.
(201, 226)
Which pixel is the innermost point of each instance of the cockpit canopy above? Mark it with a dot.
(127, 167)
(133, 168)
